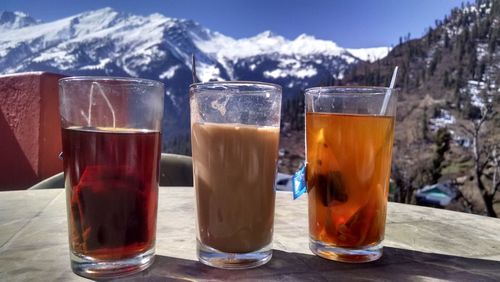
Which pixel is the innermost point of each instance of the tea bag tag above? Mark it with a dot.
(299, 182)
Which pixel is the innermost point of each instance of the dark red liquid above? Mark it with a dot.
(113, 190)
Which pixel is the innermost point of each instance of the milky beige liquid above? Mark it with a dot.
(234, 168)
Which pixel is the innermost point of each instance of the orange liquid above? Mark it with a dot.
(348, 169)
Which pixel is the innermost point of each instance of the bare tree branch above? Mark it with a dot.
(483, 155)
(466, 129)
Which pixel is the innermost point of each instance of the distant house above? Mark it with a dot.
(283, 182)
(437, 195)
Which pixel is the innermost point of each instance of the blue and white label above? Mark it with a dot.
(299, 182)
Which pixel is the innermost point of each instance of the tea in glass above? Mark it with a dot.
(349, 151)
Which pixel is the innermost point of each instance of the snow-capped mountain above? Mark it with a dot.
(11, 20)
(108, 42)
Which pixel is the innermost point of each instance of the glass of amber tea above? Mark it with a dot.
(349, 137)
(111, 138)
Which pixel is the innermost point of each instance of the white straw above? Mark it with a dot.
(91, 102)
(108, 103)
(388, 92)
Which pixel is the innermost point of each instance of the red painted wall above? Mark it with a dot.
(30, 134)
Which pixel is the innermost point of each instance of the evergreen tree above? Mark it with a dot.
(446, 79)
(429, 36)
(425, 127)
(447, 44)
(442, 140)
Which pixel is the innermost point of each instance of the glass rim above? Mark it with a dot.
(118, 79)
(263, 85)
(350, 90)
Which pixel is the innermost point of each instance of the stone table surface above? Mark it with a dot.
(421, 244)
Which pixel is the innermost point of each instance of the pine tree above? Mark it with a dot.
(472, 63)
(443, 138)
(447, 44)
(429, 36)
(425, 126)
(446, 79)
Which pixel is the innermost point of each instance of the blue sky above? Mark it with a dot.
(349, 23)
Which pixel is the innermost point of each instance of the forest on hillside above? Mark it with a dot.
(448, 122)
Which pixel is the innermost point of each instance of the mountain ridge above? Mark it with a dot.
(112, 43)
(16, 19)
(106, 18)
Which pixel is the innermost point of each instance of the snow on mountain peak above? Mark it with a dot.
(305, 37)
(16, 19)
(93, 21)
(266, 34)
(20, 14)
(157, 17)
(105, 10)
(134, 45)
(370, 54)
(308, 45)
(268, 43)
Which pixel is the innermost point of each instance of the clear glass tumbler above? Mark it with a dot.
(111, 137)
(349, 137)
(235, 134)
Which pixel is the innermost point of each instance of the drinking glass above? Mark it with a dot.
(111, 137)
(349, 136)
(235, 136)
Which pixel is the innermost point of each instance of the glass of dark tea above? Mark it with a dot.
(111, 137)
(349, 136)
